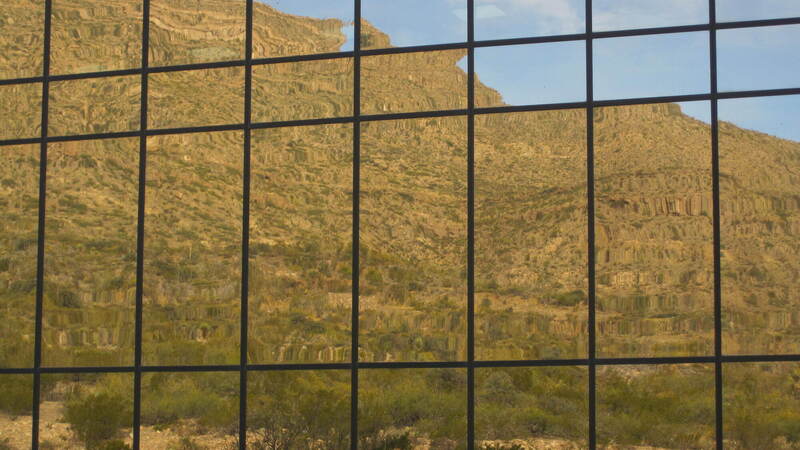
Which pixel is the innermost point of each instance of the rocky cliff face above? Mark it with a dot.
(653, 212)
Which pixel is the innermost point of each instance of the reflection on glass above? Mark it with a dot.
(412, 22)
(196, 98)
(301, 244)
(546, 407)
(93, 36)
(20, 111)
(629, 14)
(300, 27)
(90, 252)
(21, 34)
(530, 235)
(413, 239)
(532, 74)
(195, 410)
(663, 406)
(653, 232)
(761, 406)
(409, 82)
(192, 266)
(734, 10)
(15, 411)
(651, 66)
(759, 212)
(86, 411)
(196, 31)
(303, 90)
(96, 105)
(758, 58)
(19, 201)
(502, 19)
(405, 408)
(298, 410)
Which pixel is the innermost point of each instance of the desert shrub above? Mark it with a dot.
(97, 417)
(17, 394)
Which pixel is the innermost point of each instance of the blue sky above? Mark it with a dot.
(642, 66)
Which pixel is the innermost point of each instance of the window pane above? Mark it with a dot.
(19, 200)
(531, 74)
(545, 407)
(90, 252)
(21, 34)
(732, 10)
(184, 99)
(653, 231)
(758, 58)
(20, 111)
(190, 410)
(628, 14)
(303, 90)
(411, 82)
(86, 410)
(761, 405)
(15, 411)
(196, 31)
(413, 239)
(298, 409)
(301, 244)
(412, 22)
(93, 36)
(530, 235)
(192, 271)
(301, 27)
(97, 105)
(651, 66)
(663, 406)
(404, 408)
(759, 144)
(502, 19)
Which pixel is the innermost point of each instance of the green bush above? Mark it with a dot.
(97, 417)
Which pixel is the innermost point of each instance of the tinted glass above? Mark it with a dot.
(410, 82)
(502, 19)
(651, 66)
(758, 58)
(530, 235)
(662, 406)
(184, 99)
(654, 255)
(298, 409)
(400, 408)
(16, 411)
(19, 200)
(196, 31)
(731, 10)
(90, 252)
(20, 111)
(303, 90)
(301, 244)
(412, 22)
(759, 151)
(21, 36)
(86, 410)
(300, 27)
(542, 407)
(413, 239)
(192, 250)
(531, 74)
(627, 14)
(190, 410)
(97, 105)
(93, 36)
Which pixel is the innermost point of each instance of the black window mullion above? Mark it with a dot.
(591, 302)
(471, 225)
(356, 223)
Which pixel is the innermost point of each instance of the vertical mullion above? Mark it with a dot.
(590, 227)
(712, 17)
(356, 223)
(137, 374)
(248, 92)
(471, 225)
(37, 355)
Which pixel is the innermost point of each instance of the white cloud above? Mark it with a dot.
(548, 16)
(622, 14)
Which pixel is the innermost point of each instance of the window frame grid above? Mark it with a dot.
(470, 364)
